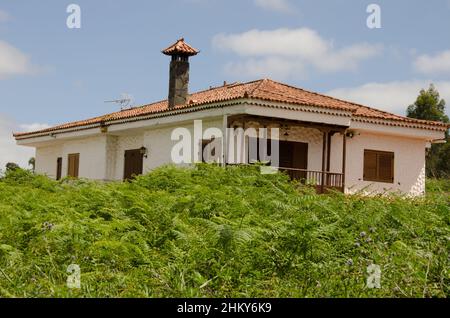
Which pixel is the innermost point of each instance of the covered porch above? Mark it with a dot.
(313, 153)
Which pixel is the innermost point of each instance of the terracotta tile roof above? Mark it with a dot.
(180, 47)
(262, 90)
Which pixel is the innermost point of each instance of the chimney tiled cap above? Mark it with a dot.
(180, 48)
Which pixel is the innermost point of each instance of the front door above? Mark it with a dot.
(294, 155)
(134, 160)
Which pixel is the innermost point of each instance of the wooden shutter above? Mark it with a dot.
(73, 165)
(378, 166)
(370, 165)
(386, 167)
(58, 168)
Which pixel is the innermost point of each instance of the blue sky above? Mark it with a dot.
(51, 74)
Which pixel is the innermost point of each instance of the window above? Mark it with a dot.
(378, 166)
(58, 168)
(73, 165)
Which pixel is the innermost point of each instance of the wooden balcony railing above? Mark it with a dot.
(322, 180)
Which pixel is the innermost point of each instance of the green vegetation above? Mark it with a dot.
(430, 106)
(441, 186)
(217, 232)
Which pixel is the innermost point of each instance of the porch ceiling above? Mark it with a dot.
(266, 121)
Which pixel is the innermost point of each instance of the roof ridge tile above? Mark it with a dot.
(254, 89)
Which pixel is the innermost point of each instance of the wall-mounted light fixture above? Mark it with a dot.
(144, 151)
(350, 134)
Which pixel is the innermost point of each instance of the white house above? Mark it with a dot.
(327, 141)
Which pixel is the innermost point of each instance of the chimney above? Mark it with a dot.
(180, 52)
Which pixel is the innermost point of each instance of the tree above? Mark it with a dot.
(429, 106)
(443, 164)
(32, 163)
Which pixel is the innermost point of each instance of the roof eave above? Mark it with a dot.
(226, 102)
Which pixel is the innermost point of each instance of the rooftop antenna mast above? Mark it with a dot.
(126, 101)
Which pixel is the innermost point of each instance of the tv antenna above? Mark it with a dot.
(126, 101)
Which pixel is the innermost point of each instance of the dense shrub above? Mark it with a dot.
(210, 231)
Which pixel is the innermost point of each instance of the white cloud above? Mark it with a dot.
(439, 63)
(33, 127)
(289, 51)
(14, 62)
(9, 151)
(392, 97)
(275, 66)
(274, 5)
(4, 16)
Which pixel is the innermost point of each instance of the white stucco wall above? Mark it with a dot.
(92, 152)
(116, 158)
(46, 158)
(159, 144)
(102, 156)
(111, 157)
(157, 141)
(409, 164)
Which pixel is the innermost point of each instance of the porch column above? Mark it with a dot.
(224, 140)
(324, 155)
(328, 177)
(326, 162)
(344, 158)
(329, 135)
